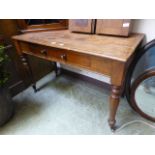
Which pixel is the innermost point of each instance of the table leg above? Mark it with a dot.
(114, 102)
(56, 69)
(27, 67)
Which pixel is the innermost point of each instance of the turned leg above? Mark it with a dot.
(29, 70)
(114, 102)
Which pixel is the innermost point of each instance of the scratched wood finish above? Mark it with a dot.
(73, 58)
(103, 54)
(116, 48)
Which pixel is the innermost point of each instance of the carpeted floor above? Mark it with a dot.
(67, 105)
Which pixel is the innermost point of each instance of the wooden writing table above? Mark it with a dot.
(106, 55)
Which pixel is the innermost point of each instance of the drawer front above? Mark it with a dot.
(44, 52)
(25, 47)
(57, 55)
(49, 53)
(60, 55)
(39, 50)
(93, 63)
(78, 59)
(33, 49)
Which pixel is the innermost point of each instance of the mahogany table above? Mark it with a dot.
(106, 55)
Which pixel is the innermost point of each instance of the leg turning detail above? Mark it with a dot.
(114, 102)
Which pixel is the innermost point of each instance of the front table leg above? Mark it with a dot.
(114, 102)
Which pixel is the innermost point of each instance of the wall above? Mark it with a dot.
(146, 26)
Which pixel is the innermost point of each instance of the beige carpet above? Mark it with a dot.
(67, 105)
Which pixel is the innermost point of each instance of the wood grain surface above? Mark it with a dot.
(117, 48)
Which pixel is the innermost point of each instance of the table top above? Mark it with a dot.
(112, 47)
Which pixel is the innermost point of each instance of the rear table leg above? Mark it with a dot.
(28, 68)
(56, 69)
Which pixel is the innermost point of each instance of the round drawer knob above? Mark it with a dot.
(44, 51)
(63, 56)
